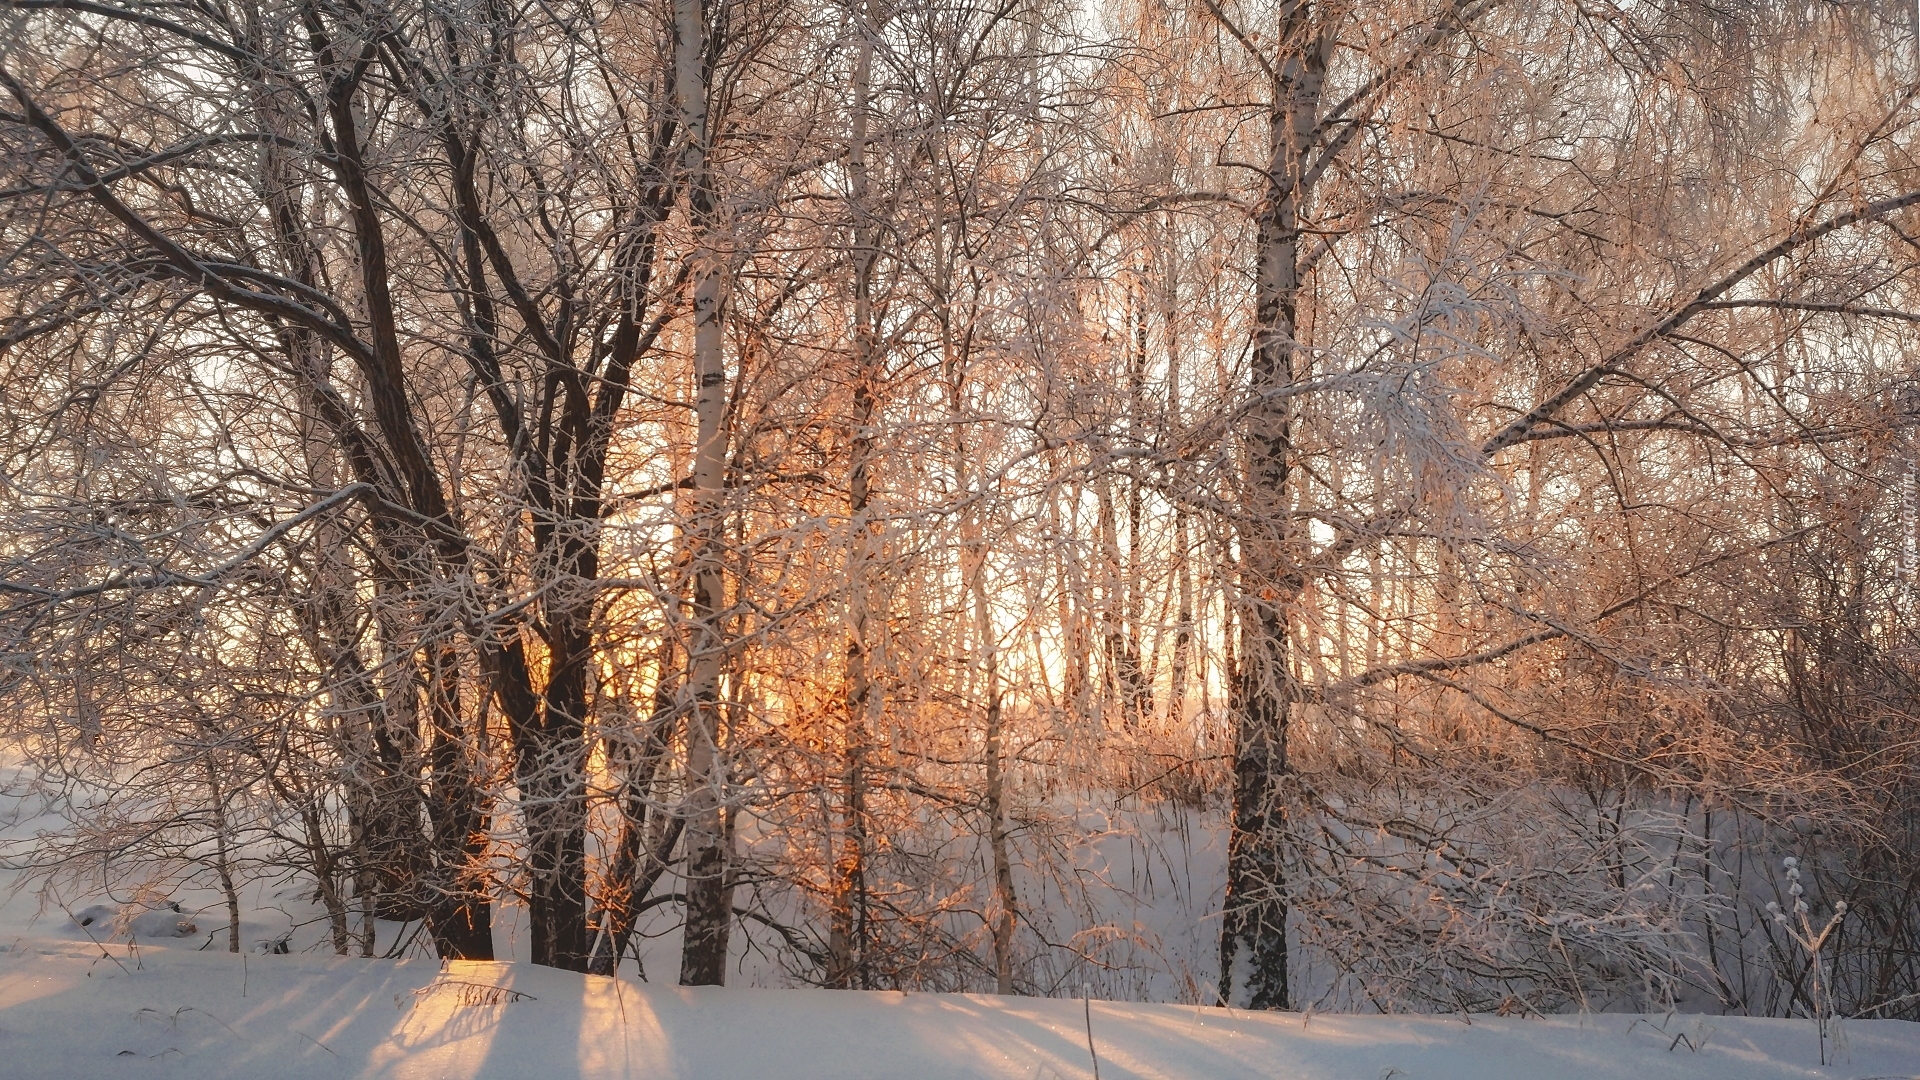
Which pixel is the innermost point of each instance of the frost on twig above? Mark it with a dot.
(1798, 926)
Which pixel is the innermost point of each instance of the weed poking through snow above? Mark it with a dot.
(1799, 927)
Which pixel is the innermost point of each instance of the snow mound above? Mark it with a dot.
(162, 923)
(97, 917)
(211, 1016)
(102, 922)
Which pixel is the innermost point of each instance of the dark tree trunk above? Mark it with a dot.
(636, 869)
(1253, 938)
(459, 911)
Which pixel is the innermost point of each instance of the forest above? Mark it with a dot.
(1295, 504)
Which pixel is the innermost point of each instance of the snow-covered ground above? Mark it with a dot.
(146, 988)
(73, 1010)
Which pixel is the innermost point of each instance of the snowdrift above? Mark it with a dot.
(74, 1011)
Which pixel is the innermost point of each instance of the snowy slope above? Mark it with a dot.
(74, 1011)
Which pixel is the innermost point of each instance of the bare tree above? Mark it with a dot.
(869, 484)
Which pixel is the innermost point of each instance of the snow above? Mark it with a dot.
(94, 984)
(96, 915)
(74, 1010)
